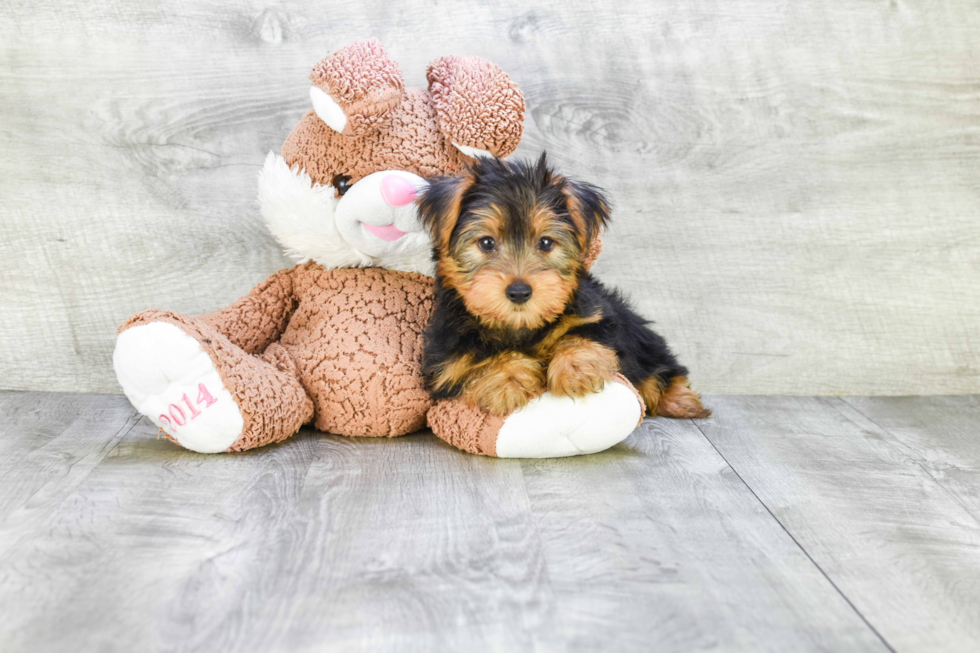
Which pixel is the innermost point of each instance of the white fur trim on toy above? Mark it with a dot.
(312, 223)
(328, 110)
(170, 379)
(554, 427)
(472, 152)
(393, 236)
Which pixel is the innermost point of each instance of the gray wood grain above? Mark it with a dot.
(321, 543)
(150, 547)
(409, 545)
(325, 543)
(789, 179)
(657, 545)
(903, 550)
(49, 443)
(940, 434)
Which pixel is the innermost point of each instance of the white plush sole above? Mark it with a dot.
(554, 427)
(170, 379)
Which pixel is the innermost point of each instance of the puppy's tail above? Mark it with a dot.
(673, 399)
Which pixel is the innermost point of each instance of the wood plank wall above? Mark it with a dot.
(797, 183)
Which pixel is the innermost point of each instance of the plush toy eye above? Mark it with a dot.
(486, 244)
(342, 184)
(546, 244)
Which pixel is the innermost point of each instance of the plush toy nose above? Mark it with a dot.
(397, 191)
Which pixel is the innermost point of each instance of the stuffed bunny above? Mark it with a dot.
(336, 341)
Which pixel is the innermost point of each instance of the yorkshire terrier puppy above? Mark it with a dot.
(516, 312)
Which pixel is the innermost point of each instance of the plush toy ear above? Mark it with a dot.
(595, 248)
(480, 109)
(355, 88)
(440, 206)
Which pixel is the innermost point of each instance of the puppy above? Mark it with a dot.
(516, 312)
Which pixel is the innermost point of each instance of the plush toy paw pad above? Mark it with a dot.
(169, 378)
(552, 427)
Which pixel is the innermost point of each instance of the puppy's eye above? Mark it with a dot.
(546, 244)
(341, 183)
(486, 244)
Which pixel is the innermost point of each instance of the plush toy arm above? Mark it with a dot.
(255, 321)
(548, 427)
(356, 87)
(481, 110)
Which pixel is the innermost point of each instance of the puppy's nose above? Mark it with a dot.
(397, 191)
(518, 292)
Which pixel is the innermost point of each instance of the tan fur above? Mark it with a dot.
(541, 220)
(565, 324)
(505, 382)
(481, 278)
(577, 213)
(580, 366)
(485, 298)
(444, 227)
(491, 223)
(572, 244)
(678, 400)
(651, 390)
(454, 372)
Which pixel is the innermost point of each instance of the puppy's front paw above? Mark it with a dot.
(580, 366)
(507, 383)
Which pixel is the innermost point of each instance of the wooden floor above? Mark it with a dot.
(781, 524)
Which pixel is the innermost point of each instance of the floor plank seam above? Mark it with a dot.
(796, 542)
(117, 438)
(895, 442)
(309, 466)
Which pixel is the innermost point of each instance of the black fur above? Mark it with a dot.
(453, 331)
(521, 182)
(642, 352)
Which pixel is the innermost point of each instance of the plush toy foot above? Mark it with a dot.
(205, 393)
(548, 427)
(170, 379)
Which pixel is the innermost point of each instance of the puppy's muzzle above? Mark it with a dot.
(518, 292)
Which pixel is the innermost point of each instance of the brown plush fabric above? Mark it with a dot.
(465, 427)
(273, 404)
(279, 357)
(349, 357)
(619, 378)
(364, 81)
(470, 101)
(473, 430)
(343, 347)
(340, 347)
(356, 338)
(595, 248)
(478, 104)
(410, 140)
(266, 310)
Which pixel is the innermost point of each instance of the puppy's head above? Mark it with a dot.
(511, 238)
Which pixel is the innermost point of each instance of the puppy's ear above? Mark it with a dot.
(588, 209)
(440, 204)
